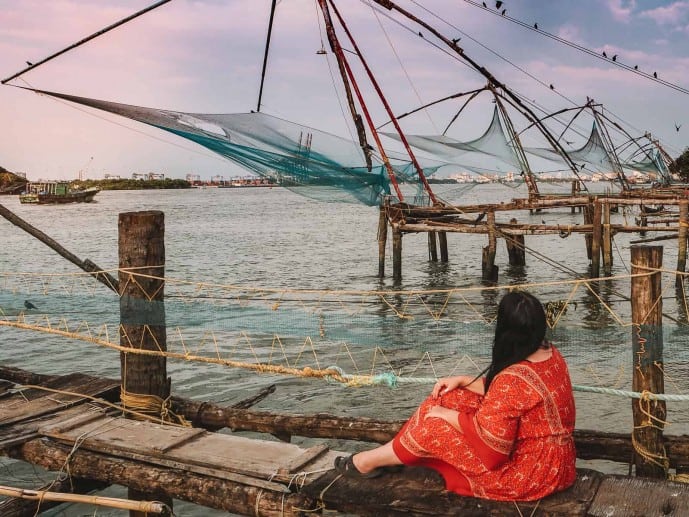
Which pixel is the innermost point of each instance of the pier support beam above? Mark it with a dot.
(396, 253)
(607, 241)
(141, 241)
(442, 242)
(515, 247)
(382, 239)
(432, 247)
(596, 235)
(488, 267)
(588, 238)
(682, 241)
(647, 343)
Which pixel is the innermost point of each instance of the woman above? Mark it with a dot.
(507, 436)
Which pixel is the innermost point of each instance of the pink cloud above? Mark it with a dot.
(621, 9)
(672, 14)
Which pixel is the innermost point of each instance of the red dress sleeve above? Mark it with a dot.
(492, 429)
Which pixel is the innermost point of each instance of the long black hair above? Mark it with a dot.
(519, 332)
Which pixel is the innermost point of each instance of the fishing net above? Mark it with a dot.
(307, 161)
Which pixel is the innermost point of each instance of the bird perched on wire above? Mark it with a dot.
(29, 305)
(498, 4)
(535, 26)
(29, 63)
(604, 54)
(677, 126)
(655, 75)
(614, 58)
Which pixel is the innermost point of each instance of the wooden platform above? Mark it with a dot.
(268, 477)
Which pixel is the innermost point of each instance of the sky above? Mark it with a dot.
(205, 56)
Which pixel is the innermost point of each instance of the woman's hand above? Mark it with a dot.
(447, 384)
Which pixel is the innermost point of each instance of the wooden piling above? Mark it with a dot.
(596, 233)
(382, 240)
(442, 242)
(432, 247)
(515, 247)
(588, 238)
(576, 190)
(607, 240)
(396, 253)
(682, 241)
(142, 316)
(647, 343)
(488, 267)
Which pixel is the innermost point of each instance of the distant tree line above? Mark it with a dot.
(130, 184)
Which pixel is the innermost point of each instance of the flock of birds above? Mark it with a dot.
(613, 58)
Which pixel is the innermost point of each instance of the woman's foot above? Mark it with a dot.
(345, 466)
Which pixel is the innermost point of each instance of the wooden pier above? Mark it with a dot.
(597, 226)
(61, 431)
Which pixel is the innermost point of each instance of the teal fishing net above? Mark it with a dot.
(310, 162)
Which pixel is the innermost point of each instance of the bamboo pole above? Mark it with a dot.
(109, 502)
(142, 318)
(86, 265)
(647, 344)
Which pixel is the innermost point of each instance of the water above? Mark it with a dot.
(272, 238)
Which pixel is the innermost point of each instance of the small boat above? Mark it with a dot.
(56, 192)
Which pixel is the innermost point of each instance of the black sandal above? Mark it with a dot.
(345, 466)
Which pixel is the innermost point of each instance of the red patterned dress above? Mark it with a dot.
(516, 442)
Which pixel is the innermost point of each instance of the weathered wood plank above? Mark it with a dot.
(34, 402)
(195, 450)
(221, 494)
(620, 496)
(418, 491)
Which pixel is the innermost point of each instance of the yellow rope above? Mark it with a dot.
(151, 405)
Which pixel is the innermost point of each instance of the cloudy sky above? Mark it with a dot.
(205, 56)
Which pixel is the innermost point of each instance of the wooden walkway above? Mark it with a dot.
(267, 477)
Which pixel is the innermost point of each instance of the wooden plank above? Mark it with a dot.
(208, 453)
(622, 496)
(418, 491)
(78, 420)
(307, 457)
(23, 406)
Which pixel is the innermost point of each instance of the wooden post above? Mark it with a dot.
(142, 312)
(488, 267)
(576, 188)
(607, 240)
(515, 248)
(442, 241)
(396, 253)
(432, 247)
(382, 240)
(588, 238)
(595, 239)
(644, 222)
(682, 241)
(647, 344)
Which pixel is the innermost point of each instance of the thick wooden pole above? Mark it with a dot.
(607, 240)
(515, 247)
(142, 312)
(382, 240)
(432, 247)
(396, 253)
(588, 238)
(442, 242)
(647, 342)
(488, 267)
(682, 241)
(596, 239)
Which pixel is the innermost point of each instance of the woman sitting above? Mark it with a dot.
(507, 436)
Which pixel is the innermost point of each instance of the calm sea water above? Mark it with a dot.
(273, 238)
